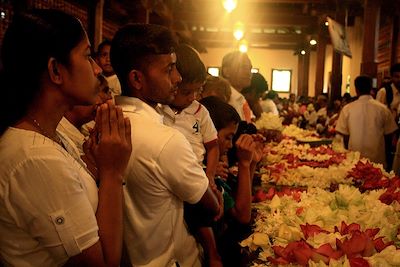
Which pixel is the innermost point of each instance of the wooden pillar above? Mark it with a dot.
(95, 22)
(303, 71)
(320, 68)
(395, 39)
(335, 91)
(21, 5)
(371, 35)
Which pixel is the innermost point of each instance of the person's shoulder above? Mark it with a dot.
(378, 104)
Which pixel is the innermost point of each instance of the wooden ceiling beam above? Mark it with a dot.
(251, 37)
(288, 1)
(225, 44)
(259, 18)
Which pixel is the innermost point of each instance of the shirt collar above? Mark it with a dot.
(365, 97)
(135, 105)
(192, 109)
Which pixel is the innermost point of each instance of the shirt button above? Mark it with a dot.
(60, 220)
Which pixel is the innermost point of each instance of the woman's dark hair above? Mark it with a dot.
(32, 38)
(189, 64)
(221, 113)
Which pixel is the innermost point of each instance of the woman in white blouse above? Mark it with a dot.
(51, 211)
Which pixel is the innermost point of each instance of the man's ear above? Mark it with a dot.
(54, 71)
(135, 79)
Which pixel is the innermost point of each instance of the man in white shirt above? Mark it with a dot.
(236, 68)
(365, 123)
(163, 172)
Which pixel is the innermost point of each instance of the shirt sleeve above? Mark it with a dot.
(390, 124)
(183, 174)
(342, 122)
(47, 199)
(207, 127)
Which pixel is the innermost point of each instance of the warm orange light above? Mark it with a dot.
(230, 5)
(238, 31)
(243, 47)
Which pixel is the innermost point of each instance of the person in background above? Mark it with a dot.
(216, 86)
(268, 104)
(365, 122)
(163, 172)
(322, 113)
(52, 212)
(237, 189)
(389, 94)
(254, 92)
(193, 120)
(236, 68)
(103, 59)
(293, 106)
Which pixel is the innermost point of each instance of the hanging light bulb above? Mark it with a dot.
(229, 5)
(313, 42)
(326, 23)
(303, 52)
(238, 31)
(243, 46)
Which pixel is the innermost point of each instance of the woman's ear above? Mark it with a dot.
(135, 79)
(54, 71)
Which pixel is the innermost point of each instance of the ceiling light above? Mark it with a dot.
(229, 5)
(238, 34)
(3, 14)
(238, 31)
(313, 42)
(243, 47)
(303, 52)
(326, 23)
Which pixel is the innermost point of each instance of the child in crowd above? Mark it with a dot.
(187, 115)
(193, 120)
(237, 190)
(103, 59)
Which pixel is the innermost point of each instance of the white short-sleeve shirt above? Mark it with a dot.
(68, 129)
(47, 201)
(238, 101)
(196, 125)
(114, 85)
(162, 173)
(366, 121)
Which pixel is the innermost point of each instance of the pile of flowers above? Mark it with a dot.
(301, 165)
(300, 134)
(368, 176)
(269, 121)
(321, 228)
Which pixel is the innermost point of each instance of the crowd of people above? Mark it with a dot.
(135, 156)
